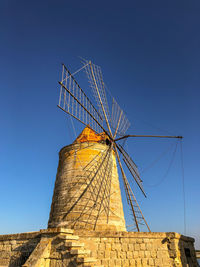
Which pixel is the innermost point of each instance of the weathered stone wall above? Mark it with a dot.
(57, 247)
(15, 249)
(140, 249)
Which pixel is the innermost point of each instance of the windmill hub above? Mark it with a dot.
(108, 142)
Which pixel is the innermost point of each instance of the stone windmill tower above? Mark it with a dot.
(87, 192)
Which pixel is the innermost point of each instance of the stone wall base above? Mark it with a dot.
(65, 247)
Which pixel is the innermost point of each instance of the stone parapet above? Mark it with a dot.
(140, 248)
(64, 247)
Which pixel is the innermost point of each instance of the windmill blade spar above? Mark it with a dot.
(154, 136)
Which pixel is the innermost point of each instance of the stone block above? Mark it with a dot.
(135, 254)
(107, 253)
(144, 262)
(125, 240)
(129, 254)
(137, 247)
(113, 254)
(124, 246)
(104, 240)
(117, 262)
(158, 262)
(94, 253)
(138, 262)
(111, 262)
(147, 254)
(7, 247)
(139, 241)
(143, 246)
(108, 246)
(13, 242)
(113, 246)
(132, 263)
(153, 254)
(130, 247)
(125, 263)
(118, 247)
(101, 254)
(151, 262)
(141, 254)
(105, 262)
(132, 240)
(102, 246)
(121, 254)
(149, 246)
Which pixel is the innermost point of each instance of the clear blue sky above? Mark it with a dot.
(149, 53)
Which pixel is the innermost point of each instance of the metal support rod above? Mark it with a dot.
(159, 136)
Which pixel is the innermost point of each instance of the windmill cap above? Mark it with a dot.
(89, 135)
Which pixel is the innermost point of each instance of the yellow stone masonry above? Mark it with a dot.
(57, 247)
(78, 161)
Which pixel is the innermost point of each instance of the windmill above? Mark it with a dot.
(111, 127)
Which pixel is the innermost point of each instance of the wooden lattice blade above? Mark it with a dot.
(132, 167)
(138, 217)
(95, 78)
(119, 120)
(76, 103)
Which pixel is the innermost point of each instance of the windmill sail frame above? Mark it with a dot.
(76, 103)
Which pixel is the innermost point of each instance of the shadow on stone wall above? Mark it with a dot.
(21, 253)
(61, 253)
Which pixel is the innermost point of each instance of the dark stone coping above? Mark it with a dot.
(30, 235)
(20, 236)
(152, 235)
(95, 234)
